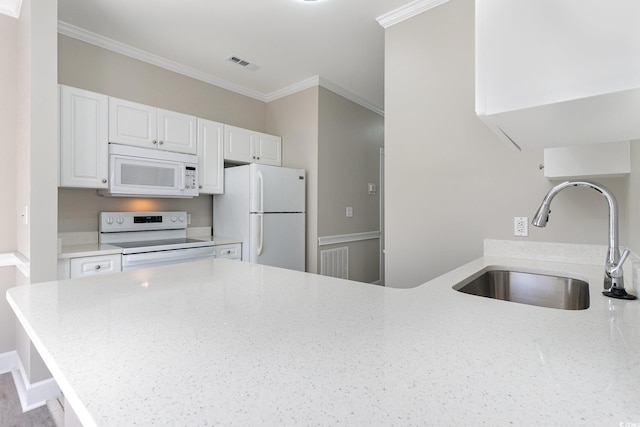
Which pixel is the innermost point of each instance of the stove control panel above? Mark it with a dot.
(141, 221)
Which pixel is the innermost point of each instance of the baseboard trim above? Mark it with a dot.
(8, 361)
(34, 395)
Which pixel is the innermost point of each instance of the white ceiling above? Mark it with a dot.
(336, 42)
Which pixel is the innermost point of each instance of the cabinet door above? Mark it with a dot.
(176, 132)
(268, 149)
(238, 144)
(132, 124)
(84, 157)
(211, 157)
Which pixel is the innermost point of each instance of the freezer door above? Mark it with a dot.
(278, 240)
(276, 189)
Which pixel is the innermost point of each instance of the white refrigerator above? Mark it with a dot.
(265, 206)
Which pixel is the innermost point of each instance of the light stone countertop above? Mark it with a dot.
(222, 342)
(87, 249)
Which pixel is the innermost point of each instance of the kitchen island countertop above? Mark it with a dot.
(232, 343)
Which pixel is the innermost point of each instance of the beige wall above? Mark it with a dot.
(337, 142)
(8, 170)
(350, 138)
(36, 160)
(295, 118)
(8, 99)
(633, 201)
(450, 183)
(78, 208)
(349, 142)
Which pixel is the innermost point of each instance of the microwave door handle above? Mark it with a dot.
(183, 172)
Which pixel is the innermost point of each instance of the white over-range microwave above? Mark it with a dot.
(144, 172)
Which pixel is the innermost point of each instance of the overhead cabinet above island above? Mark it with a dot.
(558, 73)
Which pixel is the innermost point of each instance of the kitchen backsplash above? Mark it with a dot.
(78, 209)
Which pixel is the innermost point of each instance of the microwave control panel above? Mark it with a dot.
(190, 178)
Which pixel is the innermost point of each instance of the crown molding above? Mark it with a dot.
(141, 55)
(350, 96)
(407, 11)
(327, 84)
(294, 88)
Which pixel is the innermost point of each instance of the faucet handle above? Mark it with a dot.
(616, 271)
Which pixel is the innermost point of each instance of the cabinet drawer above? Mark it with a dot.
(94, 265)
(229, 251)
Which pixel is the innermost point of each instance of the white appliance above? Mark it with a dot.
(265, 206)
(150, 239)
(145, 172)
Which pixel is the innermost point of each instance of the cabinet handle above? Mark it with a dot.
(104, 180)
(199, 186)
(155, 142)
(161, 142)
(98, 267)
(257, 158)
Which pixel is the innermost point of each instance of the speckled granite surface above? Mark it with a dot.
(222, 342)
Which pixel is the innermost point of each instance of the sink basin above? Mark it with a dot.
(529, 288)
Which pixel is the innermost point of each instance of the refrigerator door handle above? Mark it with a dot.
(260, 234)
(261, 189)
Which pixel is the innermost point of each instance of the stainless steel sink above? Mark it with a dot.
(529, 288)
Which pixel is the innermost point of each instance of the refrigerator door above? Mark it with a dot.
(278, 240)
(276, 189)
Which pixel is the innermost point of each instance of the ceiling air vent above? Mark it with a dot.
(246, 64)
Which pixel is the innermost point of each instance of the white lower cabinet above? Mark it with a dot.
(232, 251)
(89, 266)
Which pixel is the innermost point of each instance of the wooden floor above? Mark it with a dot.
(11, 413)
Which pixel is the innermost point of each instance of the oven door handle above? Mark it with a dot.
(167, 257)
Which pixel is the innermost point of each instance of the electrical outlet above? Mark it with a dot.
(349, 212)
(188, 219)
(521, 226)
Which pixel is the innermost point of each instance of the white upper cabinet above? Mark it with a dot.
(268, 149)
(177, 132)
(149, 127)
(588, 161)
(239, 144)
(84, 156)
(247, 146)
(554, 73)
(211, 156)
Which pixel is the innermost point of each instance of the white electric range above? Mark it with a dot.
(150, 239)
